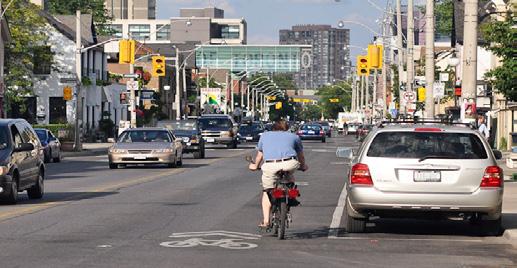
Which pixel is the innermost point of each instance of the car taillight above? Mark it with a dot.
(277, 193)
(300, 132)
(361, 175)
(493, 177)
(293, 193)
(428, 129)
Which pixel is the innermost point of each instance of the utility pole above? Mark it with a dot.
(367, 89)
(362, 104)
(429, 58)
(78, 70)
(469, 59)
(132, 97)
(185, 100)
(410, 45)
(352, 101)
(374, 93)
(177, 96)
(400, 49)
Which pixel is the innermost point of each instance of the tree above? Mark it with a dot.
(501, 39)
(444, 12)
(286, 110)
(28, 34)
(100, 14)
(342, 92)
(311, 113)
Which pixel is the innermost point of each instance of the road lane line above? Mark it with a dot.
(408, 239)
(18, 210)
(338, 213)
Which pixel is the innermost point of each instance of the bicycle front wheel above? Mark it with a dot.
(282, 220)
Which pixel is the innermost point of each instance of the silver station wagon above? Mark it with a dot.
(426, 170)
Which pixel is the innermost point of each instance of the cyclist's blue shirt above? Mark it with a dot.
(279, 145)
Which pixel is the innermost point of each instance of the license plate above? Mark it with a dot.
(249, 138)
(139, 157)
(427, 176)
(210, 140)
(188, 143)
(311, 132)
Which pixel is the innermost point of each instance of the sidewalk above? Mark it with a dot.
(509, 200)
(90, 149)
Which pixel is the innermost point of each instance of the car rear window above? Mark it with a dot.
(427, 144)
(310, 127)
(208, 123)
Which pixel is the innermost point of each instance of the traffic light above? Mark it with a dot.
(375, 56)
(127, 51)
(278, 105)
(421, 94)
(362, 65)
(67, 93)
(158, 66)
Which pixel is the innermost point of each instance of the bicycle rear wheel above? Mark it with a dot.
(282, 220)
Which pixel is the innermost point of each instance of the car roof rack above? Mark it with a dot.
(417, 120)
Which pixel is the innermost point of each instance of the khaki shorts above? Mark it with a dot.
(270, 170)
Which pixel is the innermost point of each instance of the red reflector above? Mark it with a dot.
(293, 193)
(277, 193)
(300, 132)
(493, 177)
(428, 129)
(361, 175)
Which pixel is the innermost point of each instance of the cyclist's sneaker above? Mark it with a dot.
(293, 202)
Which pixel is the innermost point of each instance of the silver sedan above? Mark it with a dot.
(146, 146)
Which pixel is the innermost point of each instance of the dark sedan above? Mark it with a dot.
(190, 133)
(250, 132)
(50, 143)
(311, 132)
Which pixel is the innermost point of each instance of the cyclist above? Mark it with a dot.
(280, 150)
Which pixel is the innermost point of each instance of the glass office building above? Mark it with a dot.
(264, 58)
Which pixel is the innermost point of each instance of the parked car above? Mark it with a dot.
(219, 129)
(431, 170)
(146, 146)
(351, 128)
(190, 133)
(51, 145)
(326, 127)
(250, 131)
(21, 161)
(311, 132)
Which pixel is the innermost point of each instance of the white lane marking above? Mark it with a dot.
(104, 246)
(338, 213)
(321, 150)
(230, 240)
(302, 183)
(338, 163)
(406, 239)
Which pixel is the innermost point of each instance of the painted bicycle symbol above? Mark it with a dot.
(230, 240)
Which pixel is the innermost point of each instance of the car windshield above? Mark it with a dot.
(310, 127)
(145, 136)
(181, 125)
(208, 123)
(4, 140)
(252, 127)
(42, 134)
(427, 144)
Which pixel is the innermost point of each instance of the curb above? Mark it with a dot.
(95, 152)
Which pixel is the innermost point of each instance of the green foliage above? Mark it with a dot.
(100, 14)
(311, 113)
(341, 91)
(287, 110)
(443, 12)
(284, 81)
(27, 35)
(501, 39)
(201, 83)
(64, 132)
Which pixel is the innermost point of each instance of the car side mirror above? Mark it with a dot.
(24, 147)
(345, 152)
(498, 154)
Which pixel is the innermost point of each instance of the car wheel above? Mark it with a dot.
(354, 225)
(58, 158)
(113, 166)
(488, 227)
(12, 197)
(173, 164)
(37, 191)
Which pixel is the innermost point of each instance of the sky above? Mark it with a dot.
(266, 17)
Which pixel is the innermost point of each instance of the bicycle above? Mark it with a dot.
(223, 243)
(282, 197)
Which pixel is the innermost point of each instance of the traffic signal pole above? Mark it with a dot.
(400, 59)
(469, 59)
(132, 98)
(410, 45)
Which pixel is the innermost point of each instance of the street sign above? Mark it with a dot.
(134, 76)
(147, 95)
(68, 80)
(334, 100)
(409, 96)
(132, 85)
(444, 77)
(438, 89)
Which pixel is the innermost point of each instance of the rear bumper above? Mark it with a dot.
(363, 200)
(192, 148)
(305, 137)
(219, 140)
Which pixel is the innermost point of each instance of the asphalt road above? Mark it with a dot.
(205, 215)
